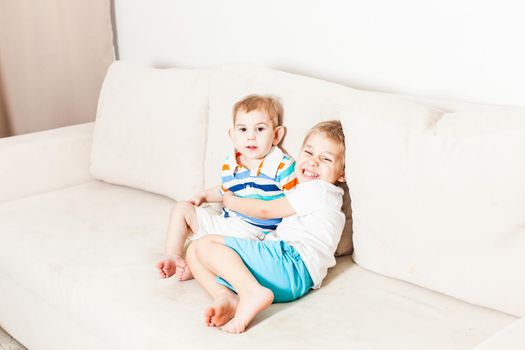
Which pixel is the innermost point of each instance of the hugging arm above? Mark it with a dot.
(277, 208)
(210, 195)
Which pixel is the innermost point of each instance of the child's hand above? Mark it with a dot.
(198, 199)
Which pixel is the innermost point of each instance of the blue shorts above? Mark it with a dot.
(276, 265)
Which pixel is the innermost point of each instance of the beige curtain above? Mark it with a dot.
(53, 58)
(4, 126)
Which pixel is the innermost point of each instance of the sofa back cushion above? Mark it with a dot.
(150, 129)
(306, 101)
(442, 203)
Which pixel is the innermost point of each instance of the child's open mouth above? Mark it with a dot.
(310, 174)
(251, 148)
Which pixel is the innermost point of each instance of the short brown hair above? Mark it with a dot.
(331, 129)
(268, 104)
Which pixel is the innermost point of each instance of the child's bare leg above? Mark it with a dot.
(183, 219)
(225, 262)
(224, 300)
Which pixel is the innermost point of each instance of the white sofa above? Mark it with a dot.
(438, 199)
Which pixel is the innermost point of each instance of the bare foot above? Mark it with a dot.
(166, 267)
(249, 306)
(182, 271)
(222, 310)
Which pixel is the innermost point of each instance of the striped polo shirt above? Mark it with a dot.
(275, 174)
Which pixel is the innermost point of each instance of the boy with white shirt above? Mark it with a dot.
(293, 259)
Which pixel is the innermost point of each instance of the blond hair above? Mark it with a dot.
(268, 104)
(332, 129)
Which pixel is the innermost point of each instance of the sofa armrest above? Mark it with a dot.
(511, 337)
(44, 161)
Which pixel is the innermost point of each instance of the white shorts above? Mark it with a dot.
(217, 224)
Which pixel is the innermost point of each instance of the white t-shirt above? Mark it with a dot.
(315, 230)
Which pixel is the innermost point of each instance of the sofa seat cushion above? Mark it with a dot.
(89, 252)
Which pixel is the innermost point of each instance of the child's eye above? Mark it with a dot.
(308, 152)
(326, 159)
(242, 129)
(259, 129)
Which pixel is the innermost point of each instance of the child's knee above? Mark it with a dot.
(202, 246)
(210, 239)
(203, 242)
(195, 249)
(182, 208)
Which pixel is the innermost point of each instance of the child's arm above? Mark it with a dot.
(210, 195)
(277, 208)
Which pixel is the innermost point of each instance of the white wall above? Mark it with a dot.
(463, 50)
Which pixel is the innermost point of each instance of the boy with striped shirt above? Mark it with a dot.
(258, 169)
(274, 174)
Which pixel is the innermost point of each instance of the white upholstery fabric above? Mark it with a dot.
(39, 325)
(510, 338)
(441, 202)
(44, 161)
(438, 200)
(150, 130)
(88, 252)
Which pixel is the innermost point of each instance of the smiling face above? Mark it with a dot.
(321, 158)
(253, 135)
